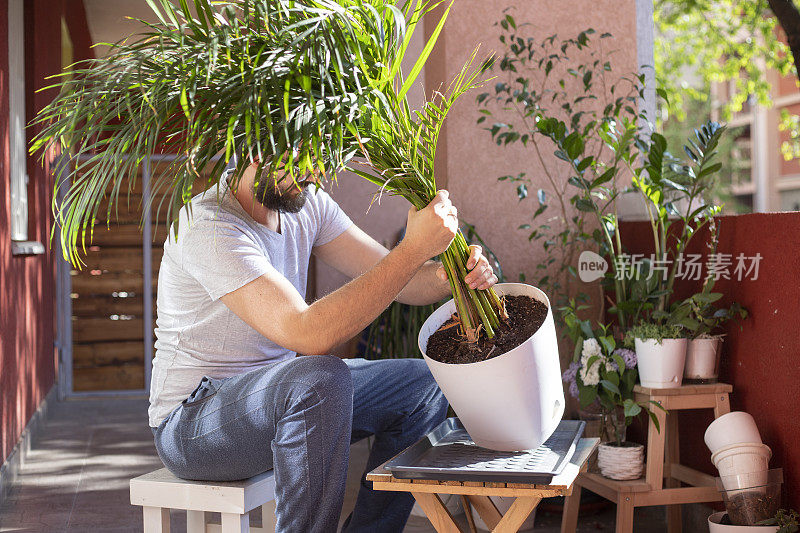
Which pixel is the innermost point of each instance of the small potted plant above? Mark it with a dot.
(661, 353)
(706, 319)
(603, 374)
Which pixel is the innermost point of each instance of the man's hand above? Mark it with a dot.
(430, 230)
(481, 276)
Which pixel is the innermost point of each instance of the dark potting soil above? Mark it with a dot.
(750, 508)
(449, 345)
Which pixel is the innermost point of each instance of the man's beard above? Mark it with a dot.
(268, 195)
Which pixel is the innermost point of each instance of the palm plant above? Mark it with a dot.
(402, 146)
(301, 87)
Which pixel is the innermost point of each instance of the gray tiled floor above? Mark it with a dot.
(76, 477)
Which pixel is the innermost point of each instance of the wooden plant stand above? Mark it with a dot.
(477, 493)
(664, 473)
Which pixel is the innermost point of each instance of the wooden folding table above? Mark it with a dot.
(528, 496)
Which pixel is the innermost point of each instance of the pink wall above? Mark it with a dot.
(468, 162)
(27, 285)
(383, 220)
(472, 162)
(761, 358)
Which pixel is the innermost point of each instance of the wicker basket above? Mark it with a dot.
(621, 462)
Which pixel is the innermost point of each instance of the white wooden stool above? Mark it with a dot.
(160, 491)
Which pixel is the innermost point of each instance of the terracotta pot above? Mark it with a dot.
(621, 462)
(661, 364)
(510, 402)
(702, 360)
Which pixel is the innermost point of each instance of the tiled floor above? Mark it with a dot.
(76, 478)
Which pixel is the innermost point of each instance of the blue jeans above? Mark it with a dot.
(299, 417)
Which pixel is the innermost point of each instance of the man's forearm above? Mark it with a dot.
(349, 309)
(426, 287)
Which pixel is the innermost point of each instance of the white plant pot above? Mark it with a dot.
(621, 462)
(661, 364)
(503, 504)
(714, 526)
(736, 427)
(738, 459)
(702, 358)
(510, 402)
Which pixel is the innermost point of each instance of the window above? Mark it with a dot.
(16, 129)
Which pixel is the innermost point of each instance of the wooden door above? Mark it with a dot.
(108, 303)
(113, 305)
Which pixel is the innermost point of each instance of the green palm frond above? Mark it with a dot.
(301, 86)
(283, 79)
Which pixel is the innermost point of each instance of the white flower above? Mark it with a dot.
(590, 348)
(590, 376)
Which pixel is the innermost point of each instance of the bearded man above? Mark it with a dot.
(231, 398)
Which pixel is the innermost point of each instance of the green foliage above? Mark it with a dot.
(301, 87)
(734, 43)
(733, 168)
(401, 146)
(716, 41)
(603, 376)
(283, 79)
(597, 137)
(700, 315)
(790, 123)
(544, 92)
(394, 333)
(787, 520)
(657, 332)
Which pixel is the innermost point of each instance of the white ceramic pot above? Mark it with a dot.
(661, 364)
(510, 402)
(621, 462)
(702, 359)
(503, 504)
(714, 526)
(738, 459)
(736, 427)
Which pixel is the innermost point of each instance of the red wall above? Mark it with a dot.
(761, 359)
(27, 284)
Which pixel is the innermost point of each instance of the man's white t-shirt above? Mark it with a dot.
(220, 248)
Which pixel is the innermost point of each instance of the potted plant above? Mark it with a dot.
(604, 375)
(661, 353)
(522, 383)
(786, 520)
(703, 350)
(302, 88)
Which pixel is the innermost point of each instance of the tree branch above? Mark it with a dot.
(789, 18)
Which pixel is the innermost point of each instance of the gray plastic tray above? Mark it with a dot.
(447, 453)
